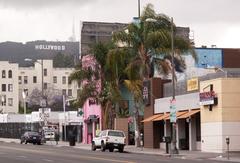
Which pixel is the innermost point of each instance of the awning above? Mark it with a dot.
(179, 113)
(162, 117)
(189, 114)
(152, 118)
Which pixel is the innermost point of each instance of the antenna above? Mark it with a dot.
(73, 37)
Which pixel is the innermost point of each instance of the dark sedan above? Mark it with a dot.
(31, 137)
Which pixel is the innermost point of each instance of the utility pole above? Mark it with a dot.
(139, 12)
(173, 102)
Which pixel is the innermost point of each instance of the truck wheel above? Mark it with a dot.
(120, 149)
(103, 148)
(93, 146)
(111, 149)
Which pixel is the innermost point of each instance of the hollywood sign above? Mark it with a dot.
(50, 47)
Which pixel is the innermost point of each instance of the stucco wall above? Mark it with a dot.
(224, 119)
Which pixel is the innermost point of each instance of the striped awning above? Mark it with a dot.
(179, 113)
(189, 114)
(162, 117)
(152, 118)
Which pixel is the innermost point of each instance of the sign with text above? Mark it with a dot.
(146, 93)
(207, 98)
(192, 84)
(173, 117)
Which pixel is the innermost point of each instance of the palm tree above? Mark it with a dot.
(150, 37)
(149, 42)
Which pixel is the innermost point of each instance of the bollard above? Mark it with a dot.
(227, 142)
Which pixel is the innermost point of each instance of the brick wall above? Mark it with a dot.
(150, 138)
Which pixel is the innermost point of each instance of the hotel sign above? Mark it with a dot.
(192, 84)
(208, 98)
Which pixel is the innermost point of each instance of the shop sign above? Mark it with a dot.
(192, 84)
(207, 98)
(146, 93)
(173, 117)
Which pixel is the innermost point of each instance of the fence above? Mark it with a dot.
(15, 130)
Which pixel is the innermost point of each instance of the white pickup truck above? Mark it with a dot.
(109, 139)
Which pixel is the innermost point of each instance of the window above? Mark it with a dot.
(3, 74)
(64, 80)
(19, 80)
(69, 81)
(45, 86)
(34, 79)
(45, 72)
(25, 79)
(54, 79)
(10, 101)
(10, 87)
(3, 100)
(4, 89)
(64, 92)
(69, 92)
(10, 74)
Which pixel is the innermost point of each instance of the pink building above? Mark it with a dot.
(92, 110)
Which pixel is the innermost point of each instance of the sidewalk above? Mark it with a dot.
(183, 154)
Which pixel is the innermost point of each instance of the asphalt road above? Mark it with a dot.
(28, 153)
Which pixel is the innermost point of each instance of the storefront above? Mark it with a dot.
(188, 120)
(204, 119)
(220, 114)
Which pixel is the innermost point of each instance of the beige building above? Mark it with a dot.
(207, 114)
(15, 80)
(223, 119)
(9, 87)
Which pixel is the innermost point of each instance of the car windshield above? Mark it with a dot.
(33, 133)
(116, 133)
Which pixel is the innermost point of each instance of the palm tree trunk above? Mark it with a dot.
(136, 127)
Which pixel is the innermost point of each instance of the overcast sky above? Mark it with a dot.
(212, 22)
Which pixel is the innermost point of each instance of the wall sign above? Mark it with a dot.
(208, 98)
(146, 93)
(192, 84)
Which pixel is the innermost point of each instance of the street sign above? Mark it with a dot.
(43, 103)
(173, 117)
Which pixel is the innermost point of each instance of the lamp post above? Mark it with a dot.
(64, 112)
(42, 101)
(174, 135)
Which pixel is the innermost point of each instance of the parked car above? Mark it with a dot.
(109, 139)
(31, 137)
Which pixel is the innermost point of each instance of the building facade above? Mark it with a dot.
(44, 77)
(9, 87)
(15, 80)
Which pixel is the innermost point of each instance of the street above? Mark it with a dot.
(22, 153)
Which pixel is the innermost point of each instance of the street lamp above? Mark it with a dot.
(42, 101)
(64, 111)
(174, 135)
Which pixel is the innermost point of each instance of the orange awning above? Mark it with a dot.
(190, 113)
(162, 117)
(152, 118)
(179, 113)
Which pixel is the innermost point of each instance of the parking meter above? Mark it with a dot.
(227, 140)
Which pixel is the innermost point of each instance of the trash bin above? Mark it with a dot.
(72, 140)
